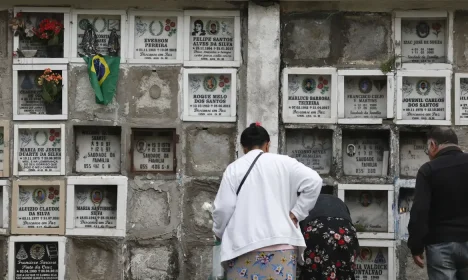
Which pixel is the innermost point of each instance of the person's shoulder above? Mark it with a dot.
(425, 169)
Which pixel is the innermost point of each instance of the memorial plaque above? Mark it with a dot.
(309, 96)
(30, 100)
(97, 149)
(38, 207)
(463, 102)
(155, 38)
(365, 156)
(103, 25)
(95, 206)
(311, 147)
(36, 261)
(39, 150)
(423, 41)
(365, 97)
(153, 151)
(211, 39)
(372, 264)
(369, 209)
(32, 20)
(413, 149)
(423, 98)
(210, 95)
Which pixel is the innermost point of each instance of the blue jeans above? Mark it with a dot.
(447, 261)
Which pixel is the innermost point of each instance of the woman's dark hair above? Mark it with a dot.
(254, 136)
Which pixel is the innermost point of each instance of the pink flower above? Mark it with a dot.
(221, 84)
(337, 236)
(167, 28)
(317, 259)
(226, 80)
(51, 196)
(172, 24)
(320, 86)
(309, 229)
(51, 138)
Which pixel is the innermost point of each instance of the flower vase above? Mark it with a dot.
(54, 51)
(54, 108)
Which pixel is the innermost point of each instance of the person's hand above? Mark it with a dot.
(293, 219)
(419, 260)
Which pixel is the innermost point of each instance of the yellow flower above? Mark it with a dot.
(247, 262)
(284, 260)
(40, 83)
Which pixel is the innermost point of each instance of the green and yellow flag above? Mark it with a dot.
(103, 74)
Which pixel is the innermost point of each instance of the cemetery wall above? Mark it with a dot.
(167, 234)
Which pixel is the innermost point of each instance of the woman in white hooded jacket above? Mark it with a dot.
(257, 210)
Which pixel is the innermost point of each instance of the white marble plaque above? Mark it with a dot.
(369, 209)
(97, 149)
(423, 98)
(30, 94)
(423, 41)
(309, 96)
(463, 99)
(365, 97)
(103, 25)
(155, 38)
(312, 148)
(95, 206)
(39, 150)
(365, 156)
(372, 264)
(153, 151)
(210, 95)
(211, 39)
(38, 207)
(412, 154)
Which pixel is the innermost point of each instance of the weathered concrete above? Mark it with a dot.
(263, 69)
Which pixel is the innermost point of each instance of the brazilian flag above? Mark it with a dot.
(103, 74)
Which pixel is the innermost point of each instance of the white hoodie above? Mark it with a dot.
(259, 216)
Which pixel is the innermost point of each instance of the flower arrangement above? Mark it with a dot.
(23, 28)
(51, 84)
(54, 137)
(224, 83)
(54, 195)
(437, 28)
(170, 27)
(50, 30)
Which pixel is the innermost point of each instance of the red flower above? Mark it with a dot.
(320, 86)
(320, 79)
(52, 131)
(341, 231)
(312, 255)
(221, 84)
(338, 264)
(306, 236)
(436, 26)
(341, 242)
(314, 266)
(167, 28)
(18, 15)
(325, 82)
(51, 189)
(56, 192)
(51, 196)
(172, 24)
(168, 21)
(51, 138)
(57, 134)
(221, 77)
(226, 80)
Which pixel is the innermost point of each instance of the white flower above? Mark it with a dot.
(347, 239)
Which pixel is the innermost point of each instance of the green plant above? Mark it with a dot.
(389, 64)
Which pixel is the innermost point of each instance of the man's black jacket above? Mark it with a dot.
(440, 208)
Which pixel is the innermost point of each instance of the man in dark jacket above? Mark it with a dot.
(439, 216)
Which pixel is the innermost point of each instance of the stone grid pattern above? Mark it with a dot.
(168, 233)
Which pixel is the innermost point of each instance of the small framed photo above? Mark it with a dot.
(372, 253)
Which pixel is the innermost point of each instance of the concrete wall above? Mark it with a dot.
(168, 233)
